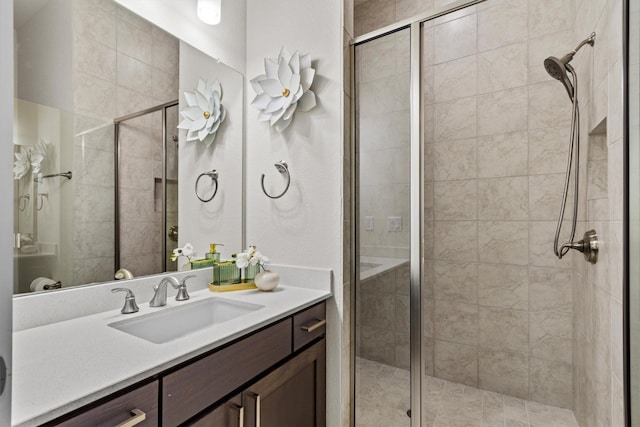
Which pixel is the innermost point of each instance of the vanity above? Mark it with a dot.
(264, 367)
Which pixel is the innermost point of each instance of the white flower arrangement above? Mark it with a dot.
(283, 88)
(186, 250)
(250, 256)
(204, 113)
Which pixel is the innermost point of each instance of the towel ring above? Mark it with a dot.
(213, 174)
(283, 168)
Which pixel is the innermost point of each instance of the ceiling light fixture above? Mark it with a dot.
(209, 11)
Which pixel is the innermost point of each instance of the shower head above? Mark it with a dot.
(557, 68)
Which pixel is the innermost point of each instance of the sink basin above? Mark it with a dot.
(171, 323)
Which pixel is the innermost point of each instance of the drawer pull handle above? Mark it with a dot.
(240, 411)
(310, 328)
(137, 418)
(256, 397)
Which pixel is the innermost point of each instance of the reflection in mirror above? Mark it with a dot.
(82, 67)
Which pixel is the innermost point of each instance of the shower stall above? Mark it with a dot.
(146, 147)
(464, 315)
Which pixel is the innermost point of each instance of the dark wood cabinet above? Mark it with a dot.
(274, 377)
(138, 407)
(291, 395)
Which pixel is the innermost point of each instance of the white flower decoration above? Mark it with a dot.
(250, 257)
(284, 88)
(187, 251)
(204, 113)
(32, 159)
(22, 165)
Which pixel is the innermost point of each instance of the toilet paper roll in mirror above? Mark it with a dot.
(39, 283)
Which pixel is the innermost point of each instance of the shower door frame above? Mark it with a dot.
(414, 24)
(116, 140)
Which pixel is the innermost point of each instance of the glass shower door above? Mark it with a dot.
(383, 235)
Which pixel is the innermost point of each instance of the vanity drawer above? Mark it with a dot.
(309, 325)
(140, 404)
(199, 385)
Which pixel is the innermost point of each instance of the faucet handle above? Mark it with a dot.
(183, 295)
(130, 305)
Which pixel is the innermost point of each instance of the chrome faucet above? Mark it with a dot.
(183, 295)
(160, 296)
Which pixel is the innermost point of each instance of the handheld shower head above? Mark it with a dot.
(557, 68)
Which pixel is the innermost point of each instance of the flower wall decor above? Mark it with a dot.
(204, 112)
(283, 88)
(31, 159)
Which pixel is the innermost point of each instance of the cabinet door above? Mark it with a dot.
(293, 395)
(229, 414)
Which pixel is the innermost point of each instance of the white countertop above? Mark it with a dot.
(62, 366)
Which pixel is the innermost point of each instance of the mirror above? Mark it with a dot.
(104, 180)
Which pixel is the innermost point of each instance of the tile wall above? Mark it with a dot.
(121, 64)
(382, 322)
(598, 289)
(498, 303)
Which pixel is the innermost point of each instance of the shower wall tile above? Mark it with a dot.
(376, 60)
(456, 281)
(455, 200)
(94, 202)
(134, 38)
(502, 25)
(503, 242)
(455, 240)
(455, 160)
(140, 237)
(455, 79)
(455, 119)
(541, 47)
(551, 383)
(551, 289)
(164, 86)
(597, 179)
(548, 106)
(134, 74)
(503, 111)
(455, 39)
(378, 344)
(95, 167)
(94, 24)
(545, 196)
(503, 329)
(549, 16)
(503, 372)
(502, 155)
(503, 286)
(503, 199)
(456, 362)
(548, 149)
(94, 95)
(428, 314)
(165, 51)
(541, 254)
(502, 68)
(94, 59)
(551, 335)
(456, 322)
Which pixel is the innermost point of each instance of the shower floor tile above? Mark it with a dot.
(383, 400)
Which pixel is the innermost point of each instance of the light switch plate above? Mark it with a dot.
(368, 223)
(394, 224)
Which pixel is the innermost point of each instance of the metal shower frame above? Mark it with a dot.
(116, 141)
(414, 24)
